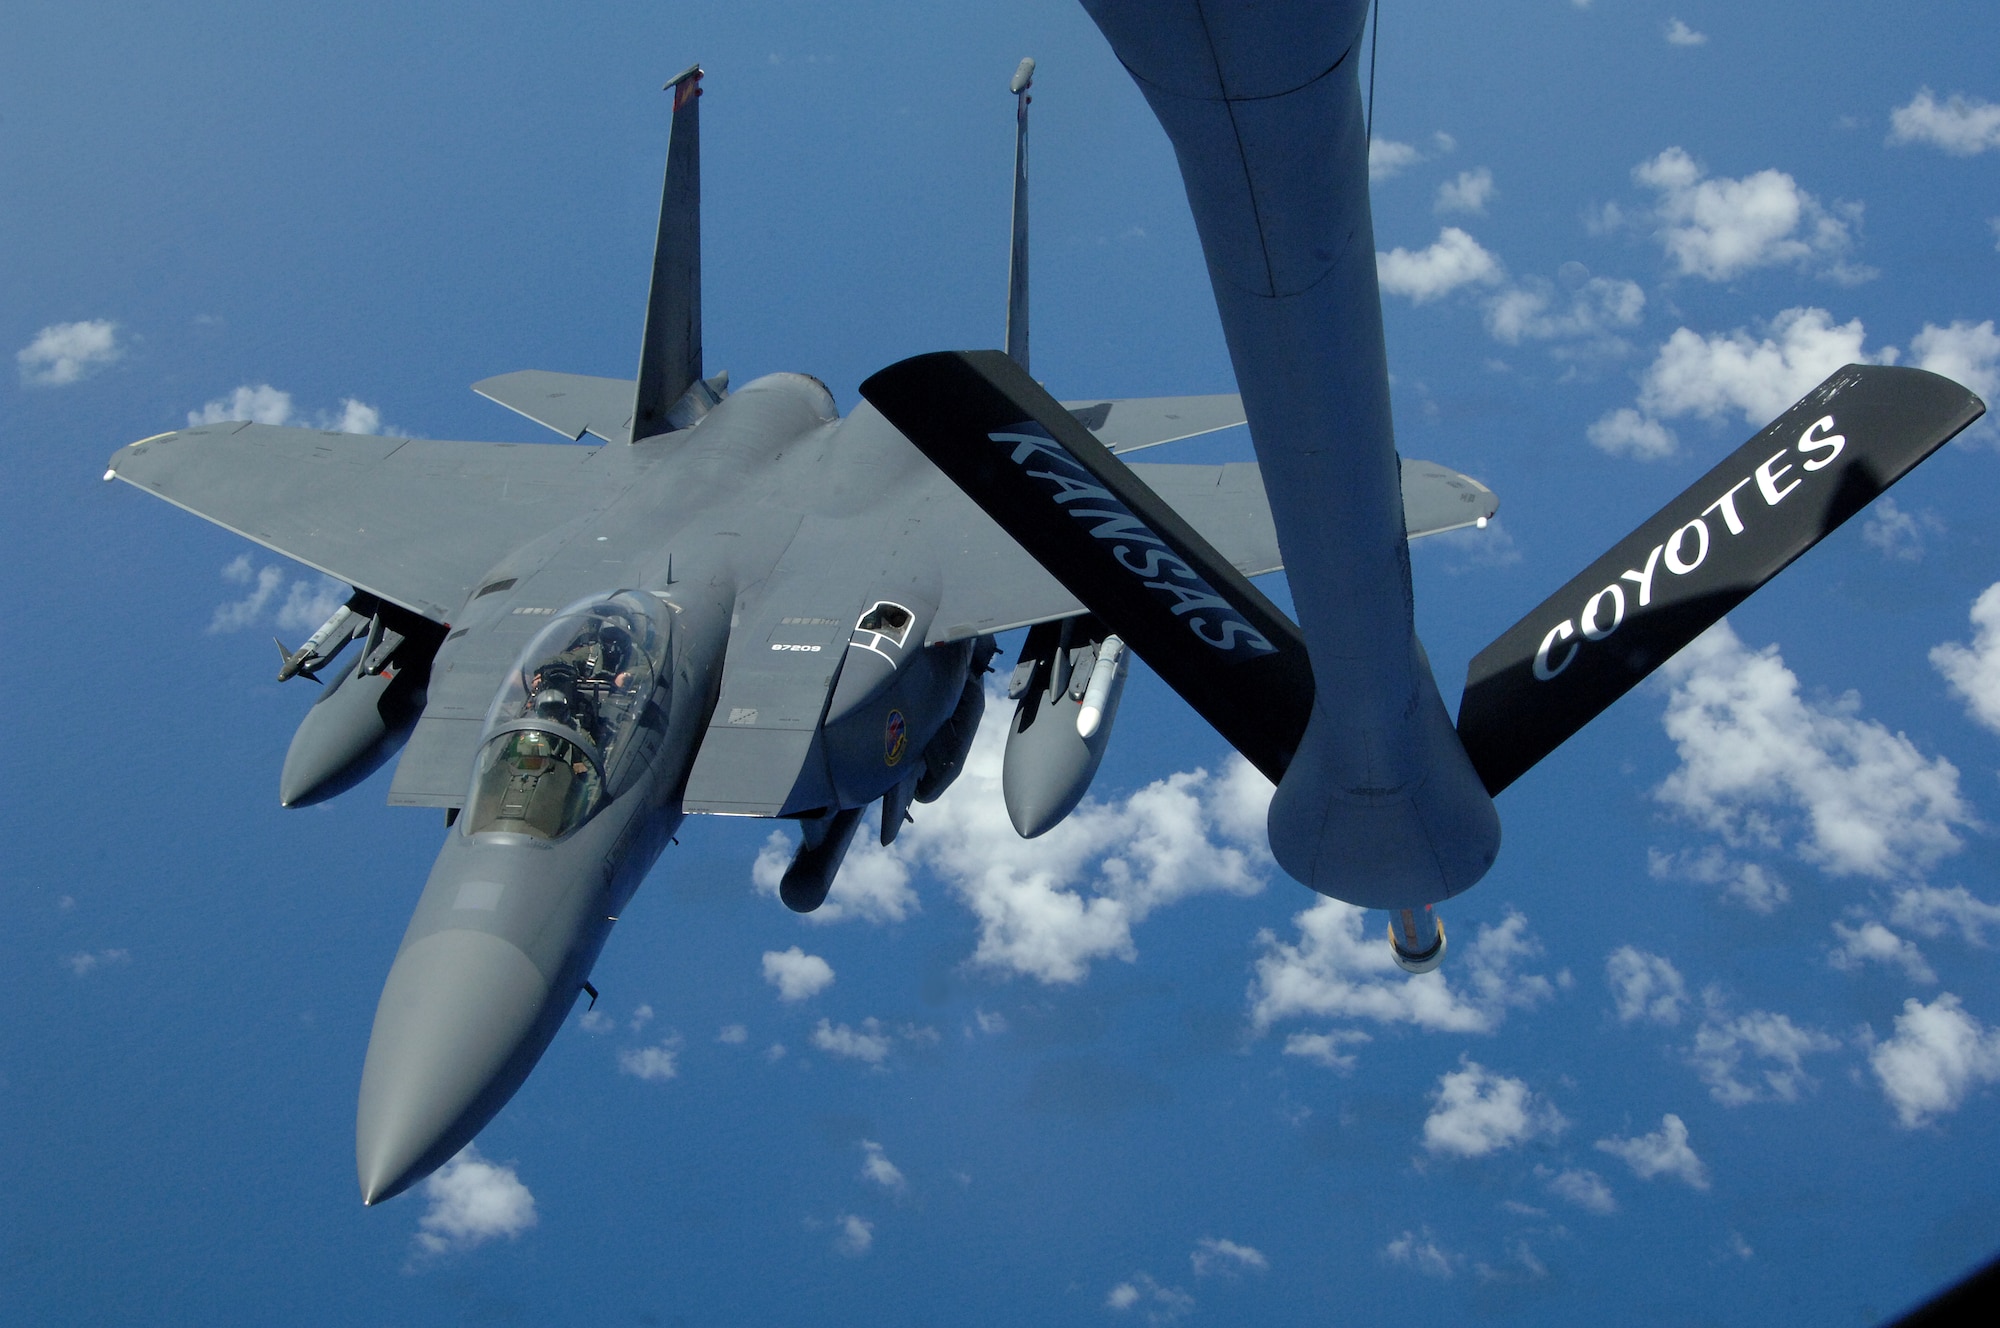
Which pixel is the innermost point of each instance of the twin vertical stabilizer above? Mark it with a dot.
(670, 353)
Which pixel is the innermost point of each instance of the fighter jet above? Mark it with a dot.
(730, 602)
(738, 602)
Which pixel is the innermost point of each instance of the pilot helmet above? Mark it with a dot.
(550, 703)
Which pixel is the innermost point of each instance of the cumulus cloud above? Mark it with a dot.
(1645, 986)
(1049, 907)
(1899, 535)
(261, 585)
(733, 1035)
(1721, 228)
(853, 1236)
(869, 1043)
(85, 962)
(1680, 34)
(1157, 1304)
(1760, 765)
(471, 1202)
(64, 353)
(1475, 1112)
(1931, 911)
(1873, 943)
(260, 403)
(1419, 1250)
(1214, 1256)
(1664, 1152)
(797, 975)
(1938, 1054)
(1387, 158)
(1325, 1048)
(1532, 309)
(1756, 1056)
(1968, 353)
(876, 1167)
(1453, 261)
(1963, 126)
(1582, 1187)
(655, 1064)
(1750, 884)
(1470, 192)
(1336, 970)
(1625, 432)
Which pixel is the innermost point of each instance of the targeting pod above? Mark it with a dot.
(817, 862)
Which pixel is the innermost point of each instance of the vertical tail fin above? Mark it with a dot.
(1017, 260)
(670, 353)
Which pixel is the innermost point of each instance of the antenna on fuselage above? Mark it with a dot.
(670, 351)
(1017, 261)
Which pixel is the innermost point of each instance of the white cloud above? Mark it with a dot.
(1775, 1045)
(1963, 126)
(868, 1043)
(1453, 261)
(1750, 884)
(797, 975)
(1898, 534)
(1645, 986)
(1758, 375)
(1531, 310)
(471, 1202)
(733, 1035)
(1939, 1054)
(1873, 943)
(260, 403)
(1471, 191)
(1582, 1187)
(1335, 970)
(1680, 34)
(262, 585)
(1757, 759)
(310, 601)
(1325, 1048)
(641, 1016)
(655, 1064)
(1419, 1250)
(1968, 353)
(1213, 1256)
(1050, 906)
(1931, 910)
(1721, 228)
(1159, 1304)
(63, 353)
(1625, 432)
(1388, 159)
(1664, 1152)
(84, 962)
(873, 883)
(596, 1021)
(855, 1236)
(1476, 1112)
(876, 1167)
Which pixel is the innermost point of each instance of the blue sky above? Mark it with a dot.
(1719, 1037)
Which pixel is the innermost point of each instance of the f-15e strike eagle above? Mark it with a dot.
(741, 603)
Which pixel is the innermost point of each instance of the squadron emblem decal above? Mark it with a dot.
(895, 738)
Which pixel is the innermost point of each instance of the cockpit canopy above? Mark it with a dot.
(577, 719)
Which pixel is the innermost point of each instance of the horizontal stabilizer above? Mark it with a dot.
(571, 404)
(1110, 540)
(1699, 557)
(1128, 425)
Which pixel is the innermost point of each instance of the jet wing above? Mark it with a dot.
(415, 521)
(1128, 425)
(571, 404)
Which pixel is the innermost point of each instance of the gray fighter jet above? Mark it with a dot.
(742, 604)
(733, 602)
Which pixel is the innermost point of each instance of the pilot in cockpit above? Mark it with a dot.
(570, 688)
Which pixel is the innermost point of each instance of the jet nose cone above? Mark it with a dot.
(452, 1041)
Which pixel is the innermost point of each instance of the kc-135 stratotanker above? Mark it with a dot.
(741, 603)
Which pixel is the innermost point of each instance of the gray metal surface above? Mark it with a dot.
(571, 404)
